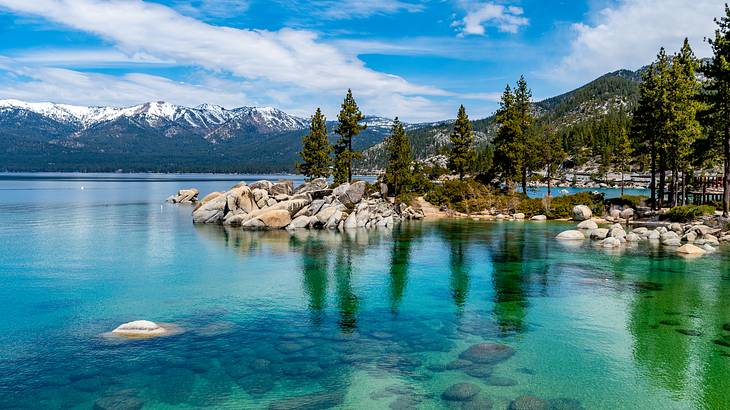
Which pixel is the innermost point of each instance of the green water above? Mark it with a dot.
(374, 319)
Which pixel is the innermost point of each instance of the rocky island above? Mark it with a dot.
(314, 204)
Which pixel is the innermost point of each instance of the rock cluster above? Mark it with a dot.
(267, 205)
(698, 239)
(184, 196)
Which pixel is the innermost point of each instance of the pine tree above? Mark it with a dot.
(515, 153)
(684, 128)
(348, 127)
(461, 154)
(717, 95)
(316, 149)
(552, 154)
(398, 173)
(506, 158)
(525, 145)
(622, 155)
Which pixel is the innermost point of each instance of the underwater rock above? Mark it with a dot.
(669, 322)
(528, 402)
(139, 329)
(691, 250)
(479, 371)
(565, 404)
(689, 332)
(460, 392)
(119, 401)
(313, 401)
(478, 403)
(501, 381)
(571, 235)
(175, 385)
(488, 353)
(256, 384)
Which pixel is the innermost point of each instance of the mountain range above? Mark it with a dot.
(164, 137)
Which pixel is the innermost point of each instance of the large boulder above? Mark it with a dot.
(262, 184)
(351, 221)
(282, 188)
(139, 329)
(600, 233)
(571, 235)
(588, 224)
(317, 184)
(270, 219)
(627, 213)
(611, 242)
(582, 213)
(299, 222)
(689, 249)
(353, 194)
(240, 200)
(539, 218)
(184, 196)
(211, 211)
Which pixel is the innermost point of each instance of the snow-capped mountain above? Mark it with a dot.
(207, 118)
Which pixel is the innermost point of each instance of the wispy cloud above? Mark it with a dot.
(88, 58)
(212, 8)
(629, 35)
(351, 9)
(479, 16)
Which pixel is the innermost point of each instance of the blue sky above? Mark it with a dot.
(416, 60)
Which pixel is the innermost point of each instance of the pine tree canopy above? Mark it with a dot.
(316, 149)
(348, 127)
(461, 155)
(398, 173)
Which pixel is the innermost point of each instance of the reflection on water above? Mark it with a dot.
(322, 319)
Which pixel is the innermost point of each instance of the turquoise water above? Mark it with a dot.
(357, 320)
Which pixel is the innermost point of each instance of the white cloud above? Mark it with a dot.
(295, 58)
(212, 8)
(629, 35)
(88, 58)
(343, 9)
(507, 19)
(62, 85)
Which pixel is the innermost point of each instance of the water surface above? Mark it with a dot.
(370, 319)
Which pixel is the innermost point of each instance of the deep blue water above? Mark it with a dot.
(367, 319)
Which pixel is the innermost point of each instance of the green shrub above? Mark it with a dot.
(470, 196)
(561, 206)
(633, 201)
(688, 213)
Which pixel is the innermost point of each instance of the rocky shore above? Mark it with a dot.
(689, 239)
(312, 205)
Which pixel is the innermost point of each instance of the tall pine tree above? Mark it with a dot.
(398, 173)
(461, 154)
(515, 153)
(717, 95)
(316, 149)
(348, 127)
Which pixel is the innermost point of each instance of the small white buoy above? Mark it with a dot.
(82, 187)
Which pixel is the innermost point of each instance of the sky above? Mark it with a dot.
(418, 60)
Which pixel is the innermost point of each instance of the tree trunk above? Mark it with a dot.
(662, 182)
(653, 179)
(548, 180)
(524, 180)
(622, 182)
(349, 160)
(726, 176)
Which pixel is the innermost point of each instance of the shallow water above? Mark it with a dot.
(373, 319)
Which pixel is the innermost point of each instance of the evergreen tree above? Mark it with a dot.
(552, 154)
(316, 149)
(515, 154)
(461, 154)
(622, 155)
(717, 95)
(398, 173)
(348, 127)
(526, 144)
(506, 158)
(684, 128)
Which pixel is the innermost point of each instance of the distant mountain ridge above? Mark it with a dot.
(163, 137)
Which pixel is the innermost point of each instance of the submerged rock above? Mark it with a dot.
(313, 401)
(460, 392)
(689, 249)
(571, 235)
(119, 401)
(139, 329)
(588, 224)
(487, 353)
(528, 402)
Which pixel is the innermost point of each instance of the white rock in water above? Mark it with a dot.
(539, 218)
(140, 328)
(689, 249)
(571, 235)
(591, 225)
(581, 213)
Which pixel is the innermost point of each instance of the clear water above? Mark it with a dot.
(322, 319)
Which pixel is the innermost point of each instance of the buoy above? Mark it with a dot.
(82, 187)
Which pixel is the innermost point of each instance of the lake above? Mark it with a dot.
(420, 316)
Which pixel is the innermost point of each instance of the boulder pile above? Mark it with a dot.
(184, 196)
(688, 239)
(267, 205)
